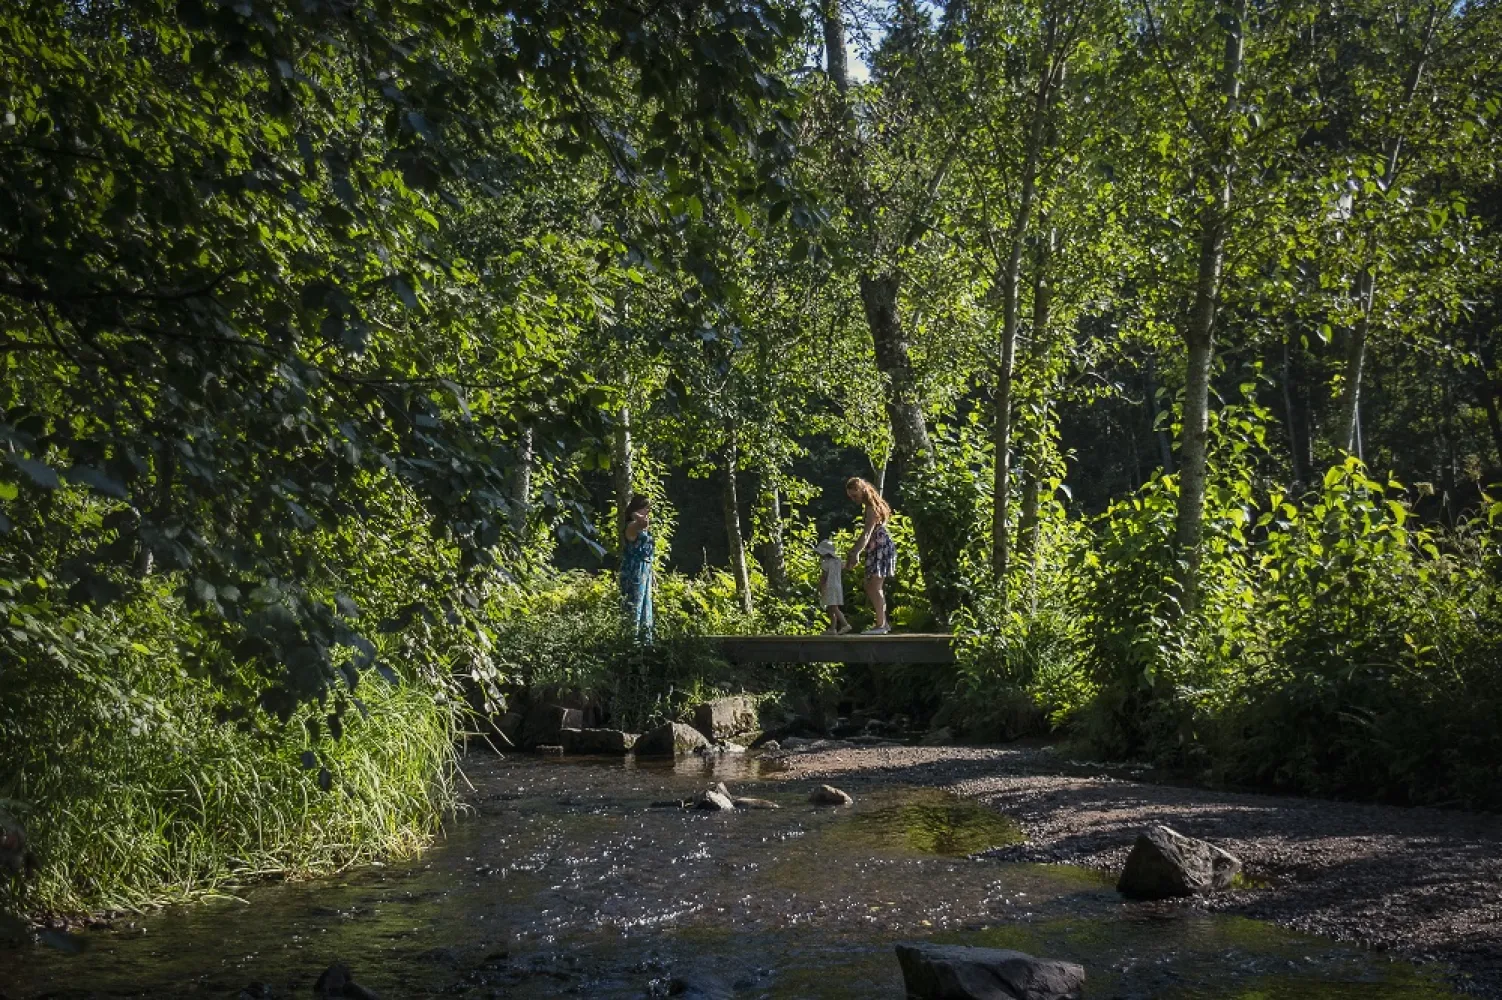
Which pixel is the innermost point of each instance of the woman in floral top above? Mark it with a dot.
(875, 543)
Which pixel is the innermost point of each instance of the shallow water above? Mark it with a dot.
(565, 882)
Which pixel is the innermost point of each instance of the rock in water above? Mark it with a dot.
(725, 717)
(714, 800)
(544, 724)
(1165, 863)
(828, 795)
(742, 802)
(598, 741)
(698, 986)
(673, 738)
(955, 972)
(509, 728)
(337, 981)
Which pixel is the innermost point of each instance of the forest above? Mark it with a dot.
(336, 338)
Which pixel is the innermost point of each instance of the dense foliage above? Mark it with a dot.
(335, 338)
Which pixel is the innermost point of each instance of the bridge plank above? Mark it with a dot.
(907, 648)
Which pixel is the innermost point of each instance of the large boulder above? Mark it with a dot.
(673, 738)
(544, 724)
(598, 741)
(955, 972)
(1165, 863)
(724, 717)
(508, 727)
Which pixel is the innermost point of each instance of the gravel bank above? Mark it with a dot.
(1422, 883)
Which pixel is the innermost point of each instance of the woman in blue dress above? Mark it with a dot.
(636, 567)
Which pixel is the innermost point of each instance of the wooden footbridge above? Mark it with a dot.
(911, 648)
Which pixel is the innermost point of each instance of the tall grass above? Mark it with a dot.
(133, 794)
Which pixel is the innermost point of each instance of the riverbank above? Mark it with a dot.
(1419, 883)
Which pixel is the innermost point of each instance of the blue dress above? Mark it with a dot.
(636, 583)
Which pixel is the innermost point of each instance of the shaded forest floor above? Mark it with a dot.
(1424, 884)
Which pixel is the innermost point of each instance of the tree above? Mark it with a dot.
(890, 168)
(227, 303)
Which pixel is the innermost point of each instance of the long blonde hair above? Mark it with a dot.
(866, 494)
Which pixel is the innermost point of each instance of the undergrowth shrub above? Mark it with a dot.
(1020, 645)
(1338, 648)
(1380, 675)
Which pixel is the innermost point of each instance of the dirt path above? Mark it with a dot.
(1422, 883)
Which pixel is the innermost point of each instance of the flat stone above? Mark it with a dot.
(1164, 864)
(956, 972)
(724, 717)
(742, 802)
(598, 741)
(828, 795)
(673, 738)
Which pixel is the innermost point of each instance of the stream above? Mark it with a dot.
(565, 881)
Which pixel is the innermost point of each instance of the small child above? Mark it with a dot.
(832, 588)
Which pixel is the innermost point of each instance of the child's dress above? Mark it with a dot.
(833, 593)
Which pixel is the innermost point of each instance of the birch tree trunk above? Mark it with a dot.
(622, 471)
(1366, 281)
(1350, 397)
(1291, 416)
(739, 567)
(1011, 278)
(521, 485)
(1028, 528)
(771, 553)
(1199, 336)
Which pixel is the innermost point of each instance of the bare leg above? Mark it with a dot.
(874, 586)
